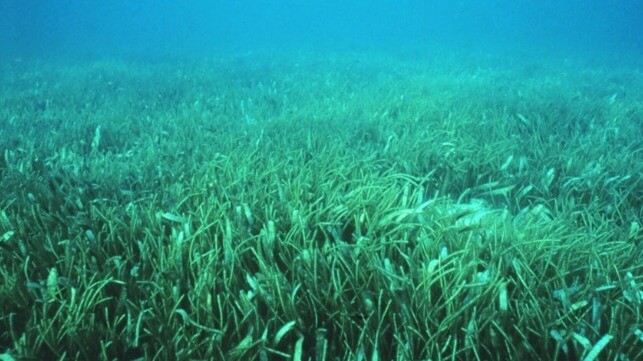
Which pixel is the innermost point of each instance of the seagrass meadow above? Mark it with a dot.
(344, 207)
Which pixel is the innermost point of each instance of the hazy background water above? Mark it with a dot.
(160, 29)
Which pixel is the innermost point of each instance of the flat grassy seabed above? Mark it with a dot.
(321, 208)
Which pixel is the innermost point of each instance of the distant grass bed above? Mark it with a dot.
(343, 207)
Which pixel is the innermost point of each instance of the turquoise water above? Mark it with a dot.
(161, 29)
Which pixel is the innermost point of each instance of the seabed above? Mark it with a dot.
(299, 207)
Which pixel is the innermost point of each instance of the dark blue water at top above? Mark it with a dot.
(184, 29)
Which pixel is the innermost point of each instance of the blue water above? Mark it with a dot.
(185, 29)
